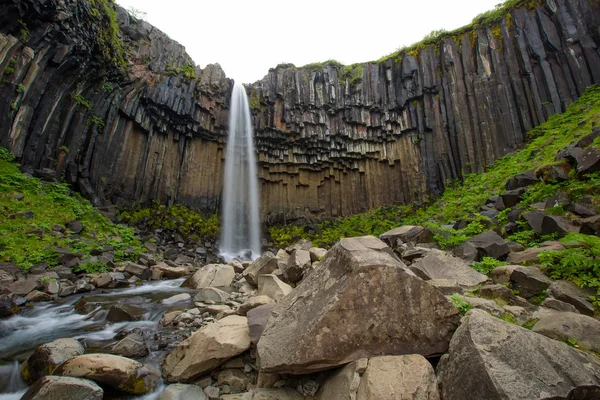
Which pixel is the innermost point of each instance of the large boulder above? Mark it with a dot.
(531, 255)
(495, 360)
(257, 321)
(381, 378)
(207, 348)
(489, 244)
(266, 264)
(439, 264)
(120, 373)
(297, 265)
(352, 306)
(63, 387)
(529, 281)
(47, 357)
(273, 287)
(572, 294)
(211, 275)
(133, 345)
(559, 225)
(570, 326)
(180, 391)
(406, 234)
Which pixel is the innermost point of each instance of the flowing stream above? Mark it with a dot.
(241, 217)
(48, 321)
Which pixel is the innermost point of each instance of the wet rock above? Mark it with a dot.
(133, 346)
(37, 296)
(7, 305)
(169, 317)
(273, 287)
(120, 373)
(493, 359)
(266, 264)
(75, 226)
(565, 325)
(406, 234)
(254, 302)
(207, 348)
(63, 387)
(51, 286)
(489, 244)
(257, 321)
(311, 329)
(211, 275)
(386, 377)
(297, 265)
(211, 294)
(66, 290)
(316, 253)
(180, 391)
(570, 293)
(109, 280)
(47, 357)
(124, 312)
(140, 271)
(530, 256)
(555, 224)
(178, 298)
(439, 264)
(529, 281)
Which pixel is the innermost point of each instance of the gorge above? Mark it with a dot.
(119, 110)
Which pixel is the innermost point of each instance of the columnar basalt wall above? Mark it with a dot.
(331, 140)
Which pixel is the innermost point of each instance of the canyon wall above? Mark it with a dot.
(332, 140)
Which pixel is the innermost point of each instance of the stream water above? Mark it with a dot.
(45, 322)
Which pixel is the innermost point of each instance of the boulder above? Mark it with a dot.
(525, 179)
(215, 295)
(124, 312)
(534, 219)
(207, 348)
(499, 292)
(530, 255)
(178, 298)
(318, 327)
(257, 321)
(438, 264)
(297, 264)
(254, 302)
(234, 378)
(555, 224)
(558, 305)
(142, 272)
(299, 245)
(266, 264)
(47, 357)
(24, 287)
(282, 258)
(75, 226)
(7, 305)
(581, 210)
(37, 296)
(492, 359)
(170, 272)
(529, 281)
(590, 226)
(63, 387)
(489, 244)
(133, 345)
(316, 253)
(406, 234)
(273, 287)
(502, 274)
(570, 293)
(109, 280)
(379, 378)
(467, 252)
(211, 275)
(565, 326)
(510, 198)
(180, 391)
(447, 286)
(120, 373)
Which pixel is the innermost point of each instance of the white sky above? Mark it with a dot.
(248, 37)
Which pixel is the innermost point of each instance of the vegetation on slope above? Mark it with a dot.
(34, 212)
(462, 200)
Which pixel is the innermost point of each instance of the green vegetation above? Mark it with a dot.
(20, 88)
(461, 305)
(109, 45)
(98, 122)
(579, 262)
(190, 224)
(487, 265)
(82, 101)
(30, 209)
(531, 323)
(539, 299)
(24, 32)
(9, 70)
(187, 70)
(352, 73)
(508, 317)
(572, 342)
(460, 199)
(92, 267)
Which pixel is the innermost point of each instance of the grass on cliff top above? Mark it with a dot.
(462, 200)
(27, 240)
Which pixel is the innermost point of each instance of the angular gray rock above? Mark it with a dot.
(257, 321)
(530, 256)
(529, 281)
(316, 253)
(180, 391)
(211, 275)
(266, 264)
(565, 325)
(406, 234)
(63, 387)
(132, 346)
(556, 224)
(572, 294)
(495, 360)
(212, 294)
(296, 265)
(254, 302)
(438, 264)
(489, 244)
(379, 378)
(273, 287)
(47, 357)
(317, 327)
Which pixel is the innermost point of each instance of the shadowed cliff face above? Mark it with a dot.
(329, 143)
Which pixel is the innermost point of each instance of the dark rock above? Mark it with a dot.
(555, 224)
(559, 199)
(75, 226)
(142, 272)
(563, 326)
(124, 312)
(257, 321)
(489, 244)
(24, 287)
(406, 234)
(558, 305)
(525, 179)
(574, 295)
(581, 210)
(7, 305)
(530, 256)
(529, 281)
(133, 346)
(588, 161)
(439, 264)
(512, 197)
(47, 357)
(467, 251)
(590, 226)
(534, 219)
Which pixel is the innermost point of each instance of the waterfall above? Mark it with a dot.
(240, 224)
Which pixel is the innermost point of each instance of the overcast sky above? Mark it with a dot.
(248, 37)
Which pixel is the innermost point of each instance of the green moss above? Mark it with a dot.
(26, 242)
(82, 101)
(508, 317)
(487, 265)
(318, 66)
(353, 74)
(24, 32)
(461, 305)
(109, 45)
(531, 323)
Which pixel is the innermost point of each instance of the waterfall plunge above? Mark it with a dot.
(240, 224)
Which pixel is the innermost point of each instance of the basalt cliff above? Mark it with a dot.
(109, 103)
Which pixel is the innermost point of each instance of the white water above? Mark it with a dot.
(241, 218)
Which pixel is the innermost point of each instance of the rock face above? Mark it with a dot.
(379, 378)
(120, 373)
(317, 326)
(207, 348)
(331, 140)
(63, 387)
(492, 359)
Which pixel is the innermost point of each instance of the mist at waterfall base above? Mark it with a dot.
(240, 223)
